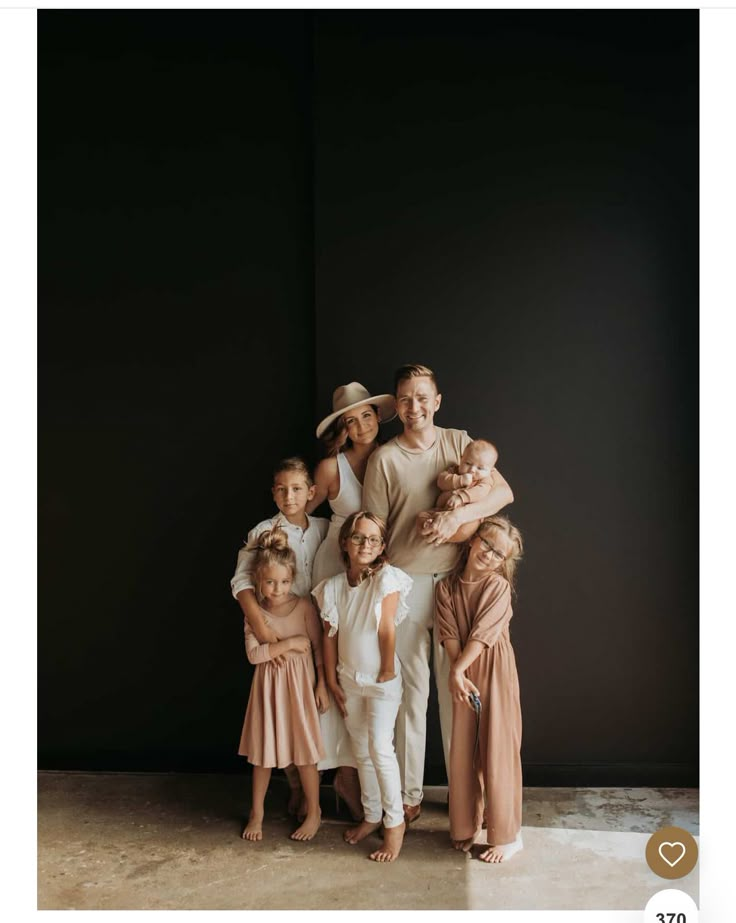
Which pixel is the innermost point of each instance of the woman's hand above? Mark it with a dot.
(461, 688)
(321, 697)
(300, 644)
(339, 696)
(385, 676)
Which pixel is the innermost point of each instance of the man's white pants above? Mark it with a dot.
(372, 709)
(413, 641)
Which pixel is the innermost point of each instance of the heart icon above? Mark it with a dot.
(673, 848)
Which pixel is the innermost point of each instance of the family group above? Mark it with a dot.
(341, 618)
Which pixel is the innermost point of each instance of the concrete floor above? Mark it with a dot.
(172, 842)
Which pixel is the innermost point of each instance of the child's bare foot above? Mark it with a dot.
(393, 837)
(464, 845)
(355, 834)
(253, 830)
(503, 852)
(308, 828)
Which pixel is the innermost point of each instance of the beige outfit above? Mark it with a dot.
(281, 724)
(450, 482)
(480, 610)
(398, 484)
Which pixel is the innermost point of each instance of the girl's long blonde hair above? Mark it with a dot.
(347, 530)
(272, 547)
(497, 523)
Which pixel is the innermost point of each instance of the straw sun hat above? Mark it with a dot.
(346, 397)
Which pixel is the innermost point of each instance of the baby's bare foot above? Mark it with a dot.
(503, 852)
(393, 837)
(309, 827)
(355, 834)
(253, 830)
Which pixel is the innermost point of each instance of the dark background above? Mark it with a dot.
(240, 211)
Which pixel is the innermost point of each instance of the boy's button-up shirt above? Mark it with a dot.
(304, 542)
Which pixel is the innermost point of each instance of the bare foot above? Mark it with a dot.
(308, 828)
(503, 852)
(393, 837)
(355, 834)
(464, 845)
(253, 830)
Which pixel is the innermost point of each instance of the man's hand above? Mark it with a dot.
(440, 527)
(321, 697)
(339, 696)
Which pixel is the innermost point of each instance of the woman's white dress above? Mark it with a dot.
(328, 559)
(328, 562)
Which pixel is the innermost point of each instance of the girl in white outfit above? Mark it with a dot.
(363, 605)
(349, 434)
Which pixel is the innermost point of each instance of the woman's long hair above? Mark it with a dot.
(347, 530)
(487, 527)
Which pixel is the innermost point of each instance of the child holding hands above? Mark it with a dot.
(282, 721)
(362, 606)
(473, 611)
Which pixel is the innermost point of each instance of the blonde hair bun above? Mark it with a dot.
(273, 540)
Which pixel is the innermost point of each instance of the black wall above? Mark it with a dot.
(176, 361)
(240, 211)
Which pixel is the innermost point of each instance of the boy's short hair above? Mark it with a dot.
(294, 463)
(413, 370)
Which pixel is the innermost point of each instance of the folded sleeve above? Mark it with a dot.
(445, 623)
(392, 580)
(241, 579)
(324, 597)
(493, 612)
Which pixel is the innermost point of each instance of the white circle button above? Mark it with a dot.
(670, 906)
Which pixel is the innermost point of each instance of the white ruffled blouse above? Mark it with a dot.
(355, 613)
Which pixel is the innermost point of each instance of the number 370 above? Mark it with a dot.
(672, 918)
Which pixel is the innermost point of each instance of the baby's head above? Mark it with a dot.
(479, 459)
(292, 488)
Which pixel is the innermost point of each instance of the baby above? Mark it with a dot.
(471, 480)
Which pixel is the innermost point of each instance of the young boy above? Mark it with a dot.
(292, 490)
(470, 480)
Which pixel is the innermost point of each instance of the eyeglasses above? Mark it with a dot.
(373, 541)
(489, 549)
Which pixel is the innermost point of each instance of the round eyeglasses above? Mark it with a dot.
(373, 541)
(489, 549)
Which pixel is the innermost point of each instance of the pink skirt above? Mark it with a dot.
(281, 724)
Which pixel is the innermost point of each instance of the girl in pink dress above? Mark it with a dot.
(473, 611)
(282, 719)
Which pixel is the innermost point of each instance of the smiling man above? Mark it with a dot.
(401, 482)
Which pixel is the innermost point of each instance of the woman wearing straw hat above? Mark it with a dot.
(349, 433)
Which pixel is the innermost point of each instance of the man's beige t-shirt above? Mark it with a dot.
(398, 484)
